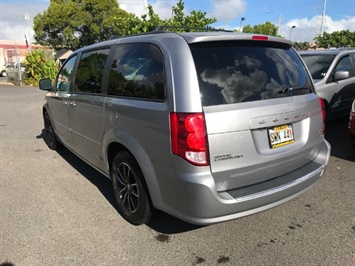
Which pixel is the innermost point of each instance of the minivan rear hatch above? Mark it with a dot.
(262, 117)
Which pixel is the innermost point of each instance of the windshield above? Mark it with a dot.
(244, 71)
(318, 65)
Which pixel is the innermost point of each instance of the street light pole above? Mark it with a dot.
(240, 26)
(291, 31)
(279, 14)
(323, 16)
(27, 17)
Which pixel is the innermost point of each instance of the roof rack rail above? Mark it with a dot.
(187, 29)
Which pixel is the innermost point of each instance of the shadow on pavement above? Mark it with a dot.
(161, 222)
(336, 132)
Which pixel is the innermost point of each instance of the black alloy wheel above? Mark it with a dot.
(130, 189)
(49, 135)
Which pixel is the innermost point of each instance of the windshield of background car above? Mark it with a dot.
(318, 65)
(244, 71)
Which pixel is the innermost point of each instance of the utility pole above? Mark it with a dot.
(240, 26)
(145, 6)
(323, 16)
(27, 17)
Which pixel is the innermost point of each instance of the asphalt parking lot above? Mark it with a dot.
(56, 210)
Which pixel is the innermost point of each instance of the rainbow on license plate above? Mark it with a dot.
(280, 136)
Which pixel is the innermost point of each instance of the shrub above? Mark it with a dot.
(39, 66)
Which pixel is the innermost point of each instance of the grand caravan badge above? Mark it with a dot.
(224, 157)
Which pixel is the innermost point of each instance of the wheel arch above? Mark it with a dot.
(147, 171)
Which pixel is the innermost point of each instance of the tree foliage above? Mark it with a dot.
(196, 19)
(72, 24)
(342, 38)
(267, 28)
(38, 66)
(301, 45)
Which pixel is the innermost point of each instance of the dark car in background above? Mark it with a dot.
(333, 72)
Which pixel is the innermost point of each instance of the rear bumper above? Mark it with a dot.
(193, 198)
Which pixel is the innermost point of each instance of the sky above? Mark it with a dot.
(305, 15)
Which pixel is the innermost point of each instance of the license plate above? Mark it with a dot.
(280, 136)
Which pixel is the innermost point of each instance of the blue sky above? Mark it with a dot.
(304, 14)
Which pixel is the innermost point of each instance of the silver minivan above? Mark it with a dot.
(333, 72)
(205, 126)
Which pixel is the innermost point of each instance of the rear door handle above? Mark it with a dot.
(72, 104)
(65, 102)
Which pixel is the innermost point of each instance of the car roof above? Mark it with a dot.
(328, 51)
(190, 37)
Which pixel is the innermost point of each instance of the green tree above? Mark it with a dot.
(301, 45)
(73, 24)
(38, 66)
(267, 28)
(342, 38)
(196, 19)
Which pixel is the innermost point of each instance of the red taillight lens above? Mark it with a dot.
(322, 105)
(259, 38)
(189, 138)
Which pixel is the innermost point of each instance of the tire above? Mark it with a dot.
(130, 190)
(3, 73)
(49, 135)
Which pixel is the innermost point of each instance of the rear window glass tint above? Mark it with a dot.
(233, 72)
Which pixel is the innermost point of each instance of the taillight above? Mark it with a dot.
(189, 138)
(323, 113)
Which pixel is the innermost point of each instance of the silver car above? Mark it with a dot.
(206, 126)
(333, 72)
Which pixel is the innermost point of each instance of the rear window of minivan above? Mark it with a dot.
(244, 71)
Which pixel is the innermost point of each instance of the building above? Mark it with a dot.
(15, 51)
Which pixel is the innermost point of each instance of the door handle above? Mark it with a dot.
(65, 102)
(72, 104)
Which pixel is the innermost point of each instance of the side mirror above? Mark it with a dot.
(341, 74)
(45, 84)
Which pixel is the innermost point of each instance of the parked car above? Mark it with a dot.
(13, 72)
(352, 124)
(206, 126)
(333, 72)
(3, 71)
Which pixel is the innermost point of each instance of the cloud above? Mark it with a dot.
(13, 24)
(162, 8)
(228, 9)
(306, 29)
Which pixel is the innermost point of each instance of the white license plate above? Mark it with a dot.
(280, 136)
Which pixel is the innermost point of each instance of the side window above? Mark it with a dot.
(64, 77)
(90, 71)
(345, 64)
(137, 70)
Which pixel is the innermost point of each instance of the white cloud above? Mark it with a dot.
(162, 8)
(306, 29)
(228, 9)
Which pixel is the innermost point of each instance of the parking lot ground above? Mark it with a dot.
(56, 210)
